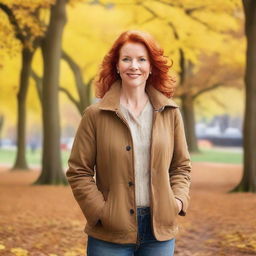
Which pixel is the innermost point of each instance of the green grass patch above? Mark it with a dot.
(206, 155)
(218, 156)
(33, 158)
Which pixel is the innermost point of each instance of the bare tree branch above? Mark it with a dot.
(75, 68)
(68, 94)
(153, 13)
(38, 81)
(77, 75)
(217, 101)
(206, 89)
(189, 12)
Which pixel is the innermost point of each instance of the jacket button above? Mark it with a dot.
(130, 183)
(131, 211)
(128, 148)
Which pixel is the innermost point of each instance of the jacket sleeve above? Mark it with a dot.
(80, 173)
(180, 167)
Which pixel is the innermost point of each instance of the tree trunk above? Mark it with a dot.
(88, 91)
(20, 162)
(248, 182)
(1, 128)
(52, 172)
(187, 105)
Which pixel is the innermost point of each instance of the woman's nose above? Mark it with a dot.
(134, 64)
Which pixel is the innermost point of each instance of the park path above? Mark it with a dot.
(45, 220)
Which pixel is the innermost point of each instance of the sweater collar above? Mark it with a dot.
(111, 99)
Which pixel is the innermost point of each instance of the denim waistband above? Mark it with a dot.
(143, 210)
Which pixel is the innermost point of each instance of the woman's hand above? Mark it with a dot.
(179, 204)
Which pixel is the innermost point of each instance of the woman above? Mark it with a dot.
(133, 140)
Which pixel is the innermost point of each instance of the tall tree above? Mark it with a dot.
(52, 172)
(30, 40)
(248, 182)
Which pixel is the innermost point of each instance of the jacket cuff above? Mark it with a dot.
(183, 211)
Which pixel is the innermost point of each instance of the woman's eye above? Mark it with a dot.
(142, 59)
(125, 59)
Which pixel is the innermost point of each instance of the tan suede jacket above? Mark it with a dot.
(103, 146)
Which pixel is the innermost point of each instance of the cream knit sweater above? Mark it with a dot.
(141, 128)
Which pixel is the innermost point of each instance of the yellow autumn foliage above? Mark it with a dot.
(240, 240)
(211, 28)
(2, 247)
(19, 251)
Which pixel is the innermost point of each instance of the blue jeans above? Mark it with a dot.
(148, 245)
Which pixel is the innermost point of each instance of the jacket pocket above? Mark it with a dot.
(167, 210)
(176, 206)
(105, 216)
(115, 216)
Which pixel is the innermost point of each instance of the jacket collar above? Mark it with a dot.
(111, 99)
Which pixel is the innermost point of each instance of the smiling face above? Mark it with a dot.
(133, 64)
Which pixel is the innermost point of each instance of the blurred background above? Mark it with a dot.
(50, 52)
(205, 41)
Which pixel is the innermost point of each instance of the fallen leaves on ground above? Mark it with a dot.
(46, 220)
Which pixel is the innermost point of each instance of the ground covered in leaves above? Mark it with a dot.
(46, 221)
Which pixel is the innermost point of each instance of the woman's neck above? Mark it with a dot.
(134, 98)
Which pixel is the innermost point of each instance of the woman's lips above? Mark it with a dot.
(133, 75)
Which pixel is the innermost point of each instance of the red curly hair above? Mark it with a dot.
(159, 78)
